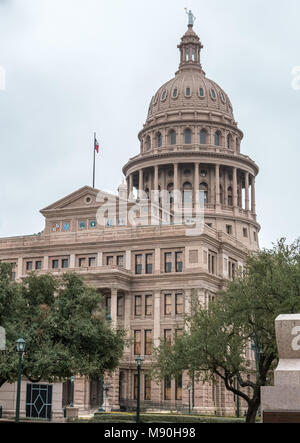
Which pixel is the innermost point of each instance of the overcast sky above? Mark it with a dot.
(73, 67)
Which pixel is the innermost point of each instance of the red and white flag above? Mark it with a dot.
(96, 146)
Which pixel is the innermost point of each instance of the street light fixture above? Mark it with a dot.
(72, 380)
(21, 345)
(139, 362)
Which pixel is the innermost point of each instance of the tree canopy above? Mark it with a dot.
(218, 338)
(64, 327)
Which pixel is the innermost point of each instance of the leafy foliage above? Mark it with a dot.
(64, 327)
(218, 338)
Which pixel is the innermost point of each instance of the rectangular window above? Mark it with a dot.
(29, 266)
(92, 261)
(137, 342)
(138, 305)
(148, 342)
(179, 304)
(148, 305)
(168, 336)
(38, 264)
(108, 304)
(147, 387)
(212, 261)
(254, 235)
(149, 263)
(109, 260)
(168, 304)
(65, 263)
(138, 264)
(178, 261)
(54, 264)
(167, 388)
(245, 232)
(120, 306)
(229, 229)
(232, 268)
(168, 262)
(178, 388)
(120, 260)
(81, 262)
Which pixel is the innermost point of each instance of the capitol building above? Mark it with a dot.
(190, 145)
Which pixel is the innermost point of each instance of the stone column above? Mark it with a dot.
(175, 176)
(156, 387)
(196, 181)
(155, 177)
(72, 261)
(217, 182)
(46, 262)
(141, 183)
(157, 261)
(234, 175)
(247, 191)
(253, 205)
(130, 185)
(128, 260)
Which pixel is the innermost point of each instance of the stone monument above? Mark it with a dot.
(281, 403)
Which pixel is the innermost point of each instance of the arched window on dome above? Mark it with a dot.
(203, 136)
(188, 91)
(201, 92)
(172, 137)
(230, 196)
(147, 143)
(170, 189)
(187, 136)
(187, 192)
(159, 140)
(217, 138)
(175, 92)
(204, 191)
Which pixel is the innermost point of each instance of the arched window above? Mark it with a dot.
(187, 136)
(170, 189)
(229, 141)
(188, 92)
(175, 92)
(217, 138)
(229, 196)
(187, 193)
(203, 136)
(159, 139)
(147, 143)
(172, 135)
(204, 189)
(201, 92)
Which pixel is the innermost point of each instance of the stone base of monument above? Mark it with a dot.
(280, 404)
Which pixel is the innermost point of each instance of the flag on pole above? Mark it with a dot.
(96, 146)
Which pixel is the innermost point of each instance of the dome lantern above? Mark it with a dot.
(190, 48)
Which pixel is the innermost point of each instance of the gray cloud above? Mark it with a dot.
(74, 67)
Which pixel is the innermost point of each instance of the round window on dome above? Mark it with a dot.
(175, 93)
(213, 94)
(201, 92)
(164, 96)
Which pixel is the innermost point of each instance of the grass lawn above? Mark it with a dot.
(126, 417)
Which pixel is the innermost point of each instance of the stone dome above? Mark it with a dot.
(190, 88)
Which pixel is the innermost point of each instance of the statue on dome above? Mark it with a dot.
(192, 18)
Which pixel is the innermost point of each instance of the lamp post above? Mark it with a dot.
(101, 385)
(139, 362)
(72, 379)
(21, 344)
(189, 387)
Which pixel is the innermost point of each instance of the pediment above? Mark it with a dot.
(83, 198)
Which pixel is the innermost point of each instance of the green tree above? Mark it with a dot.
(217, 338)
(65, 329)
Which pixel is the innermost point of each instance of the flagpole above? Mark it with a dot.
(94, 159)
